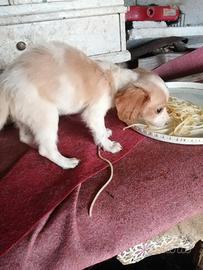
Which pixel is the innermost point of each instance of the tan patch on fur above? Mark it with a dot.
(83, 74)
(129, 104)
(40, 69)
(89, 79)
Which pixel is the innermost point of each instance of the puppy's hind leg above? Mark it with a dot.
(25, 134)
(45, 130)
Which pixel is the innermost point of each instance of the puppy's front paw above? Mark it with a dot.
(112, 147)
(70, 163)
(116, 147)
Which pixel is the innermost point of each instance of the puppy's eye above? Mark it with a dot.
(159, 110)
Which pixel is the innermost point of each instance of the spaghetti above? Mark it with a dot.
(105, 185)
(186, 119)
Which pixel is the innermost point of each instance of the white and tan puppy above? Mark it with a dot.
(56, 79)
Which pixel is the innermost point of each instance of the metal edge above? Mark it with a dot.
(171, 139)
(184, 85)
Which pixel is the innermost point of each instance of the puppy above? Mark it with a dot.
(56, 79)
(146, 102)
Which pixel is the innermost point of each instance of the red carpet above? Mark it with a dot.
(184, 65)
(155, 186)
(33, 185)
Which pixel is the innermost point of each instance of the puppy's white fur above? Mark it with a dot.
(57, 79)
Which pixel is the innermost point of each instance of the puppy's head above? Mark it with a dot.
(135, 104)
(154, 112)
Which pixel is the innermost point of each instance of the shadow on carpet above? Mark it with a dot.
(174, 260)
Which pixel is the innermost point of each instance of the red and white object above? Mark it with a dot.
(153, 13)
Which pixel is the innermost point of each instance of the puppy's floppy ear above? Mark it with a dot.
(129, 102)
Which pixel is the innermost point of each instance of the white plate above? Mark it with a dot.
(184, 90)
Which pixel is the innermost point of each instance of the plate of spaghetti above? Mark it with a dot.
(185, 108)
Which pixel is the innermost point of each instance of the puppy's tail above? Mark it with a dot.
(4, 109)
